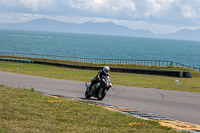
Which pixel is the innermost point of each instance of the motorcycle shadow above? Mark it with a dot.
(90, 99)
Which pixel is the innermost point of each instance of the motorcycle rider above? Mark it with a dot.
(98, 77)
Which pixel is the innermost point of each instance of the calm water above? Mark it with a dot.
(100, 46)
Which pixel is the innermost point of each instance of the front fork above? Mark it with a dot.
(87, 86)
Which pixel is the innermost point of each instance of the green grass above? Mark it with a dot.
(23, 110)
(138, 80)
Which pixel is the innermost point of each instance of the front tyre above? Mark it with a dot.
(102, 93)
(87, 93)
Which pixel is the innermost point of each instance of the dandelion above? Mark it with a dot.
(134, 123)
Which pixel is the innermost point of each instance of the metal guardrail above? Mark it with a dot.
(16, 60)
(97, 60)
(173, 73)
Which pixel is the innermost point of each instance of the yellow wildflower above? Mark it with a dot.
(134, 123)
(54, 101)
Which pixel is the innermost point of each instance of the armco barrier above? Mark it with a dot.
(173, 73)
(155, 72)
(16, 60)
(98, 60)
(187, 74)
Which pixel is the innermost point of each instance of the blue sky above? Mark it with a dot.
(159, 16)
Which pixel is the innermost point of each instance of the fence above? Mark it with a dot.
(97, 60)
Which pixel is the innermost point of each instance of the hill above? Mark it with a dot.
(108, 28)
(185, 34)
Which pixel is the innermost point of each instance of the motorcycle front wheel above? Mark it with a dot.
(102, 93)
(87, 93)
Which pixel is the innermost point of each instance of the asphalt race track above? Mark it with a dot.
(183, 106)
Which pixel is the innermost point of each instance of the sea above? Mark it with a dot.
(100, 46)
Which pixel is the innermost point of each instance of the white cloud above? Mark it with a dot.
(156, 7)
(121, 5)
(36, 5)
(93, 5)
(102, 5)
(190, 13)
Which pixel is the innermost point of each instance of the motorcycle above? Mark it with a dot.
(99, 89)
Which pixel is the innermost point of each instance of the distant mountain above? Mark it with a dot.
(88, 27)
(43, 24)
(185, 34)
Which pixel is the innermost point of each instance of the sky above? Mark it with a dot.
(158, 16)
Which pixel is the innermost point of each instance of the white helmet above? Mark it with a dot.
(106, 69)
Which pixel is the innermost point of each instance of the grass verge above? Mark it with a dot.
(23, 110)
(138, 80)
